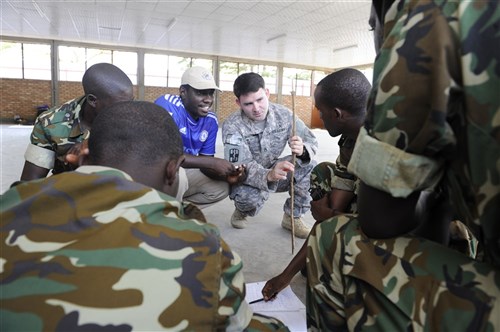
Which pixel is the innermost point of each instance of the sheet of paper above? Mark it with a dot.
(286, 306)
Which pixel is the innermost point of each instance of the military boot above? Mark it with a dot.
(238, 219)
(300, 229)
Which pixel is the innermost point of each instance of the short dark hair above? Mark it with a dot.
(248, 82)
(347, 89)
(134, 130)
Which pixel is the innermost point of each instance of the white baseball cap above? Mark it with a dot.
(199, 78)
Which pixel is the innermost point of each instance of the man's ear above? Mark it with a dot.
(338, 113)
(238, 102)
(171, 169)
(182, 91)
(92, 100)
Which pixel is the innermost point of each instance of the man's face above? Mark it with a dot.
(255, 104)
(327, 114)
(197, 102)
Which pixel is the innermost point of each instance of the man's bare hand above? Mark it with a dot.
(320, 209)
(237, 175)
(76, 154)
(296, 145)
(280, 171)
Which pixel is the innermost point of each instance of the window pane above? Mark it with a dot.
(71, 63)
(205, 63)
(318, 76)
(37, 61)
(298, 80)
(126, 61)
(368, 72)
(11, 65)
(176, 67)
(227, 74)
(97, 56)
(246, 68)
(269, 73)
(155, 69)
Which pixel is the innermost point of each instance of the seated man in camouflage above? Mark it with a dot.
(61, 129)
(431, 137)
(341, 99)
(106, 248)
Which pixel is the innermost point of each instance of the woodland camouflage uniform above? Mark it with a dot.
(433, 121)
(56, 131)
(92, 250)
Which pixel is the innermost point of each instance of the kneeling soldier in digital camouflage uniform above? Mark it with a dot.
(256, 136)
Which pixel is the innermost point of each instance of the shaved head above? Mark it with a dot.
(137, 131)
(105, 81)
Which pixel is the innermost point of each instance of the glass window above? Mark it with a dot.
(97, 56)
(368, 72)
(37, 63)
(11, 65)
(71, 63)
(227, 74)
(298, 80)
(318, 76)
(270, 75)
(155, 69)
(176, 67)
(126, 61)
(205, 63)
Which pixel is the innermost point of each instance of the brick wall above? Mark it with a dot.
(303, 106)
(21, 97)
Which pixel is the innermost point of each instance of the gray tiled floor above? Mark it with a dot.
(264, 246)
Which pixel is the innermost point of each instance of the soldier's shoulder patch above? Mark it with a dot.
(234, 155)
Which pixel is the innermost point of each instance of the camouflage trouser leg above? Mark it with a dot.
(322, 177)
(398, 284)
(248, 199)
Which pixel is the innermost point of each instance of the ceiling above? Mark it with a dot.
(320, 33)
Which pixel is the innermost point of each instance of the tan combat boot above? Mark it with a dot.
(238, 219)
(300, 229)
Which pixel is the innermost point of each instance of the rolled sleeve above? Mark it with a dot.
(39, 156)
(387, 168)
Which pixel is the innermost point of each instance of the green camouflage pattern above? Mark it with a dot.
(435, 105)
(58, 129)
(92, 250)
(434, 118)
(327, 175)
(402, 284)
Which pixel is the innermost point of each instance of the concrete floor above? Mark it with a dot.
(265, 248)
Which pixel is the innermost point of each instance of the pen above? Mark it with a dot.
(255, 301)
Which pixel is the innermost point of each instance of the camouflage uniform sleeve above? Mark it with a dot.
(309, 139)
(237, 151)
(408, 135)
(40, 151)
(344, 180)
(232, 298)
